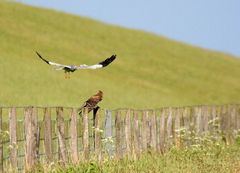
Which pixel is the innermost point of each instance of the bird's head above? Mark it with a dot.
(100, 93)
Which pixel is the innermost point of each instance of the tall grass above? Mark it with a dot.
(214, 159)
(201, 154)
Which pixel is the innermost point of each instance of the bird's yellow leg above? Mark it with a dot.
(65, 75)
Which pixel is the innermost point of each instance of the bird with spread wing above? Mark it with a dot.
(91, 103)
(71, 68)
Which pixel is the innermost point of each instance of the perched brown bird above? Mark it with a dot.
(92, 102)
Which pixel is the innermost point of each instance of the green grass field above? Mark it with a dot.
(214, 159)
(150, 71)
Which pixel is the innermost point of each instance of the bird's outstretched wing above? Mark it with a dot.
(51, 63)
(101, 64)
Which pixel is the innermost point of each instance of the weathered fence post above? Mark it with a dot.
(1, 143)
(153, 131)
(128, 133)
(177, 137)
(136, 135)
(199, 122)
(31, 138)
(162, 132)
(118, 135)
(74, 136)
(233, 123)
(61, 136)
(205, 119)
(86, 148)
(134, 132)
(48, 135)
(98, 134)
(169, 128)
(144, 131)
(13, 138)
(238, 118)
(108, 132)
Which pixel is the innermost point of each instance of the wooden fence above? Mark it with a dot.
(39, 135)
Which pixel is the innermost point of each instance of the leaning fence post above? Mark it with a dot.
(13, 137)
(85, 134)
(73, 136)
(61, 137)
(31, 138)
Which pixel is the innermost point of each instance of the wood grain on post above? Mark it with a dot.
(98, 135)
(233, 122)
(158, 132)
(238, 117)
(13, 137)
(154, 131)
(185, 118)
(162, 132)
(144, 131)
(128, 133)
(1, 143)
(74, 136)
(123, 137)
(108, 132)
(213, 120)
(177, 139)
(135, 130)
(169, 128)
(223, 122)
(48, 135)
(205, 118)
(198, 120)
(86, 149)
(61, 136)
(118, 135)
(31, 138)
(37, 135)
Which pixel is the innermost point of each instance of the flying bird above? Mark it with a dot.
(92, 102)
(72, 68)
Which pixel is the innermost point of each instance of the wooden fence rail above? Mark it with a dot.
(33, 135)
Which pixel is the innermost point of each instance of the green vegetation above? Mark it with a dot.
(214, 159)
(151, 71)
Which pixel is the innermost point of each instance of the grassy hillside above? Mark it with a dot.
(150, 71)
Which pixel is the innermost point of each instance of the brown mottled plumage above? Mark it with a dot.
(92, 102)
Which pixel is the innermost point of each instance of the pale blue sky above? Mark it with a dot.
(213, 24)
